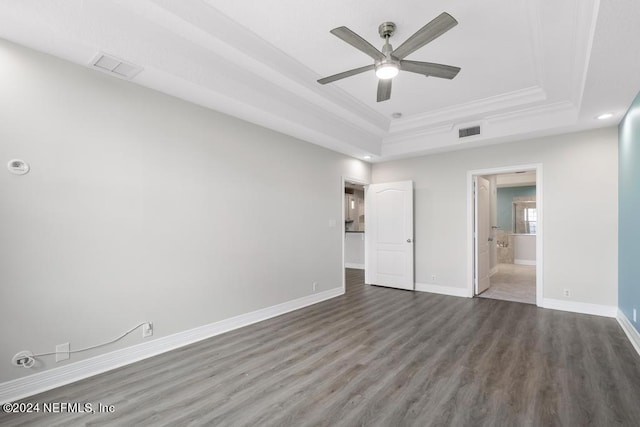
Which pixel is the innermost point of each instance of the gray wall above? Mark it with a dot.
(579, 176)
(140, 206)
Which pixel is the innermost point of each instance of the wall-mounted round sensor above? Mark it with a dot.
(18, 167)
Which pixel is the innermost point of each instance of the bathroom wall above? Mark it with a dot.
(505, 200)
(524, 249)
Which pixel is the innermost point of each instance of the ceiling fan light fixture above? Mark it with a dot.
(386, 71)
(388, 62)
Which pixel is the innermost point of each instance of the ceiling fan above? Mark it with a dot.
(390, 61)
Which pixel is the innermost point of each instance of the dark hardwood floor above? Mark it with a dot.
(379, 356)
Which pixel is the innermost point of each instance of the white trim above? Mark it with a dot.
(422, 121)
(539, 226)
(367, 236)
(524, 261)
(539, 235)
(580, 307)
(354, 265)
(443, 290)
(476, 263)
(628, 328)
(27, 386)
(493, 271)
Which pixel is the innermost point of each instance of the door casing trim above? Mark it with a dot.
(537, 167)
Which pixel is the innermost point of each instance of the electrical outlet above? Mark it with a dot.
(147, 329)
(566, 293)
(314, 286)
(635, 319)
(434, 278)
(62, 352)
(23, 359)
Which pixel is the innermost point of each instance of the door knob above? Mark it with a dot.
(408, 240)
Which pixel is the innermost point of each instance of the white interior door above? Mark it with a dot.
(389, 235)
(481, 233)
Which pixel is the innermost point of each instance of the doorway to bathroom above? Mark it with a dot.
(506, 233)
(354, 232)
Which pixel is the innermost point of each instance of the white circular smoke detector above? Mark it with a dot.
(18, 167)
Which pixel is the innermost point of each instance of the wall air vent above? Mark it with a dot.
(114, 66)
(470, 131)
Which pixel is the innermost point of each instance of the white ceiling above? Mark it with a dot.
(529, 67)
(516, 179)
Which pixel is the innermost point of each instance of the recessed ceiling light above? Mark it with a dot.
(396, 115)
(367, 157)
(605, 116)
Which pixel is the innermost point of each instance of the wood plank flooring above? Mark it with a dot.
(382, 357)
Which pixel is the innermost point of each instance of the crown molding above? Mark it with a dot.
(218, 63)
(418, 123)
(537, 52)
(585, 29)
(495, 129)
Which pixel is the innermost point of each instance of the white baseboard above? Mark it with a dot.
(13, 390)
(628, 328)
(493, 271)
(524, 261)
(353, 265)
(580, 307)
(444, 290)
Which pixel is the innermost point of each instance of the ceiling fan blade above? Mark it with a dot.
(430, 69)
(344, 74)
(358, 42)
(384, 89)
(434, 29)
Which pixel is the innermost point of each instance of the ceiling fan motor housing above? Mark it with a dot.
(386, 29)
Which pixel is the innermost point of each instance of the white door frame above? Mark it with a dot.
(343, 227)
(537, 167)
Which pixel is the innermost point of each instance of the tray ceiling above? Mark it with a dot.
(528, 67)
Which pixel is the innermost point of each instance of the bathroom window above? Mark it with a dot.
(530, 220)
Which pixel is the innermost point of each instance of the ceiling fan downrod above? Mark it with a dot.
(388, 67)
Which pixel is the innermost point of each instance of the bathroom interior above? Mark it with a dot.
(354, 220)
(513, 237)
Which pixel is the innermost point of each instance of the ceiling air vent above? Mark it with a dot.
(470, 131)
(115, 66)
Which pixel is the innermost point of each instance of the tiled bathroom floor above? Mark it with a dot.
(513, 283)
